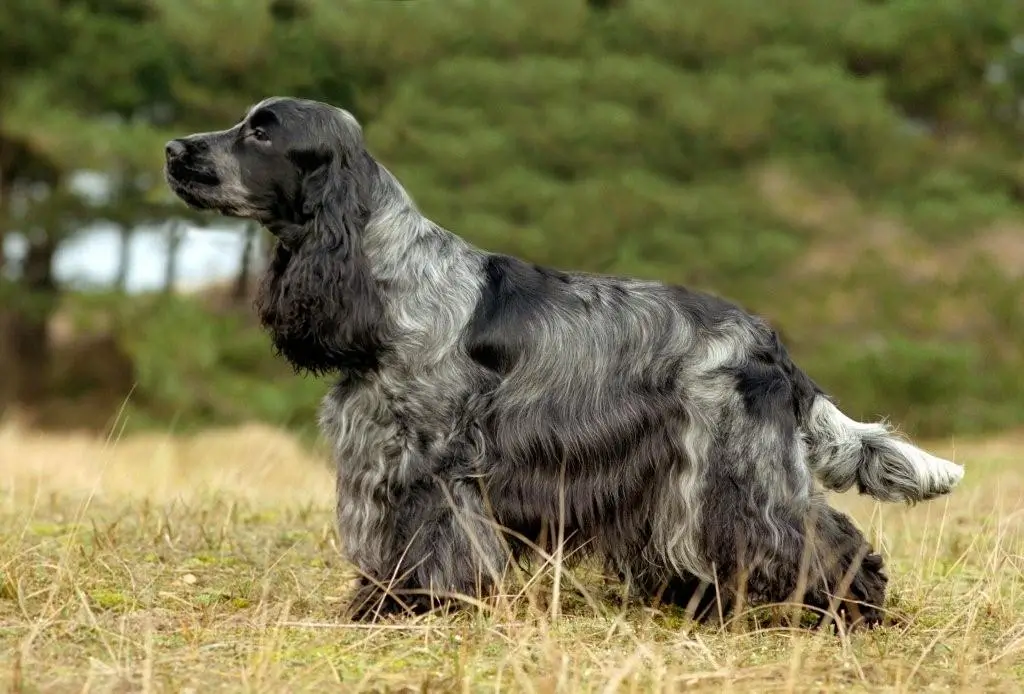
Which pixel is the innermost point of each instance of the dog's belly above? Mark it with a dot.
(596, 465)
(600, 461)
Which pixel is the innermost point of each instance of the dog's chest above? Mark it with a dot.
(398, 425)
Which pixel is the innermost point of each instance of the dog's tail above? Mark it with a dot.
(842, 452)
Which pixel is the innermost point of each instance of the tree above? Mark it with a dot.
(240, 292)
(807, 158)
(28, 30)
(798, 156)
(45, 66)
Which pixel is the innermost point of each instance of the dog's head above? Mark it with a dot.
(281, 165)
(301, 169)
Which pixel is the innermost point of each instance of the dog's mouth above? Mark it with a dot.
(188, 193)
(193, 186)
(178, 174)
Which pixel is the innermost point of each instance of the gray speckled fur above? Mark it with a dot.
(480, 399)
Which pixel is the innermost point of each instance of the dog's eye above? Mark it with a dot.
(259, 135)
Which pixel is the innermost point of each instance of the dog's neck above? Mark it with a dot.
(290, 234)
(430, 274)
(399, 240)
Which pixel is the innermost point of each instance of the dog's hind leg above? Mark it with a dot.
(767, 534)
(770, 535)
(851, 576)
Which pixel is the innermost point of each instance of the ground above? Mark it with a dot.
(155, 563)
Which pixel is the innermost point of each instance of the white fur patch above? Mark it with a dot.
(843, 452)
(936, 474)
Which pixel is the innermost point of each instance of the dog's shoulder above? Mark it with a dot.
(514, 295)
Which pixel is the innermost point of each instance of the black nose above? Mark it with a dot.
(174, 149)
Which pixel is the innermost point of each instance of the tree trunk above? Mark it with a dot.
(171, 266)
(125, 232)
(241, 291)
(26, 322)
(3, 231)
(8, 369)
(5, 196)
(269, 248)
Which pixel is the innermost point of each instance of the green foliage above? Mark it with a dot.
(194, 366)
(641, 137)
(638, 148)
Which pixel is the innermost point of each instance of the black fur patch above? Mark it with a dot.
(515, 293)
(318, 300)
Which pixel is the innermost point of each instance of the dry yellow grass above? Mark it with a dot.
(210, 564)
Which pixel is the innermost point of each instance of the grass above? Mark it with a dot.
(211, 564)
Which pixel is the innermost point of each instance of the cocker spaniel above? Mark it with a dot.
(486, 407)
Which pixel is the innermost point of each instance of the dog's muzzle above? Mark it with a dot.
(182, 168)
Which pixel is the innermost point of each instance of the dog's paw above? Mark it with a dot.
(863, 606)
(369, 603)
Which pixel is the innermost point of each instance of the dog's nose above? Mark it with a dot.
(174, 149)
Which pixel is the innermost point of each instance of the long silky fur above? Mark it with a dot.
(485, 406)
(318, 300)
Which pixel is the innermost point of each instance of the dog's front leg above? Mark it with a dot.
(441, 549)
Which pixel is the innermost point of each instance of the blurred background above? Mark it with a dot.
(853, 170)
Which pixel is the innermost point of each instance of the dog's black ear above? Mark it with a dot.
(318, 298)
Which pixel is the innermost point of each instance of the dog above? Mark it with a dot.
(485, 407)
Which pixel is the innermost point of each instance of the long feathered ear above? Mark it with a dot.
(318, 299)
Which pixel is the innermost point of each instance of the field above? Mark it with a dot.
(156, 563)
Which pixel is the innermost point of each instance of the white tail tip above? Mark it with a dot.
(936, 475)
